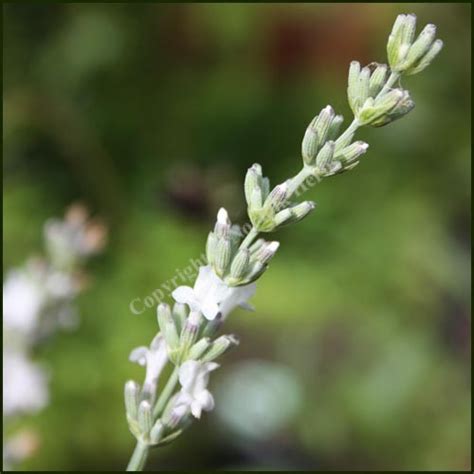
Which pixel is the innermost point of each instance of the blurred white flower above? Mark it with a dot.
(24, 385)
(19, 447)
(257, 399)
(194, 378)
(60, 284)
(23, 299)
(74, 237)
(154, 358)
(211, 296)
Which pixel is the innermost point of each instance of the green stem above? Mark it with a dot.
(394, 76)
(297, 180)
(139, 457)
(166, 393)
(249, 238)
(349, 131)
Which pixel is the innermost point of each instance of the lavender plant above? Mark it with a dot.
(237, 257)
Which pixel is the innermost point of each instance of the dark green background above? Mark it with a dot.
(151, 114)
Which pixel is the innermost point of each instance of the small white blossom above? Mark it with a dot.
(154, 358)
(23, 299)
(24, 385)
(194, 378)
(74, 237)
(211, 296)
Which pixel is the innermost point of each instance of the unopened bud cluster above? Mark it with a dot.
(369, 106)
(325, 155)
(270, 210)
(407, 55)
(234, 265)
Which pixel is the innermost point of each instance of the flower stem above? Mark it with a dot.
(249, 238)
(350, 130)
(394, 76)
(139, 457)
(166, 393)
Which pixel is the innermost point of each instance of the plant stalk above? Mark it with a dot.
(139, 457)
(166, 393)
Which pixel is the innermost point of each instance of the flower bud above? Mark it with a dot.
(427, 58)
(309, 145)
(132, 399)
(277, 198)
(353, 85)
(211, 246)
(266, 252)
(145, 417)
(167, 326)
(325, 155)
(400, 39)
(404, 105)
(256, 199)
(222, 256)
(335, 127)
(257, 269)
(406, 56)
(363, 85)
(352, 152)
(283, 217)
(322, 123)
(331, 169)
(189, 333)
(252, 181)
(219, 346)
(257, 245)
(344, 140)
(156, 433)
(198, 349)
(180, 313)
(421, 46)
(239, 265)
(374, 111)
(302, 210)
(223, 223)
(377, 80)
(175, 415)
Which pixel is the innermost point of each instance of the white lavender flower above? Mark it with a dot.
(194, 396)
(211, 296)
(154, 359)
(23, 299)
(74, 237)
(25, 388)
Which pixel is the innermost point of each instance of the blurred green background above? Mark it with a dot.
(151, 114)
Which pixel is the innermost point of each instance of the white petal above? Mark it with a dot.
(156, 360)
(223, 217)
(237, 297)
(184, 295)
(247, 306)
(139, 355)
(202, 377)
(196, 409)
(210, 309)
(205, 281)
(183, 399)
(157, 343)
(210, 366)
(206, 400)
(188, 372)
